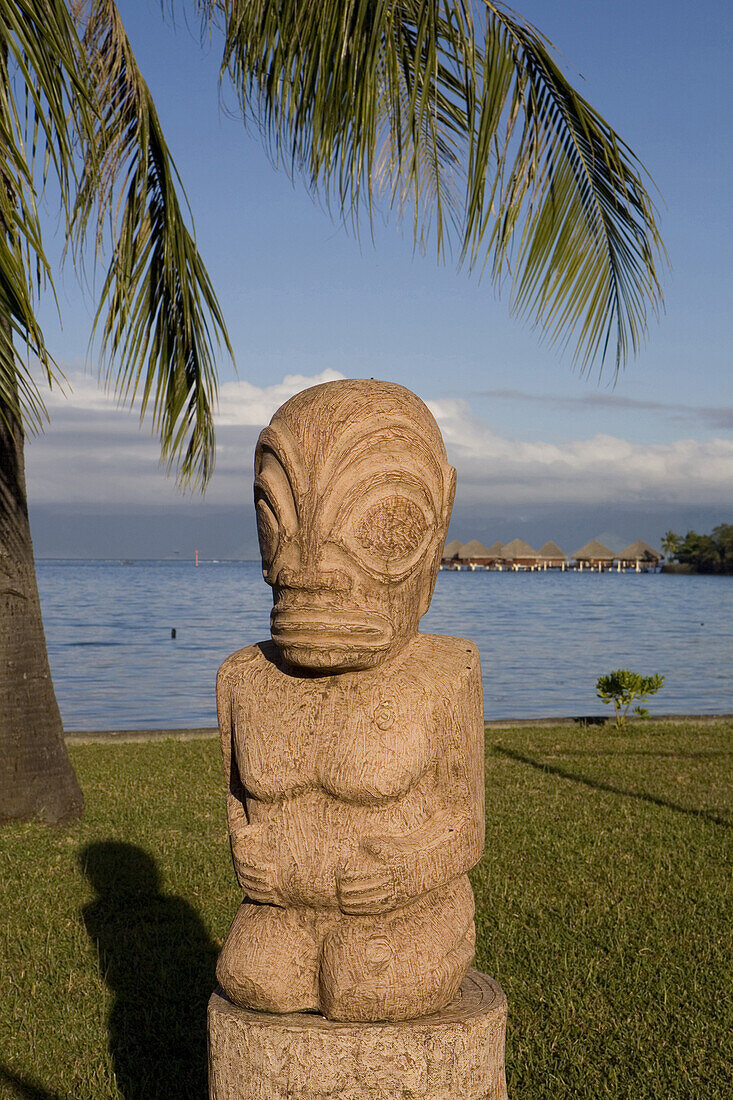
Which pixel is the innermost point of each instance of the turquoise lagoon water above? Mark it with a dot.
(544, 638)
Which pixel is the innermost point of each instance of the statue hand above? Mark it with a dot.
(367, 889)
(257, 874)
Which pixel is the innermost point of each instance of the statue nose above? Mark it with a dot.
(309, 580)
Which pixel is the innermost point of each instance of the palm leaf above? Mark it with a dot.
(476, 129)
(568, 197)
(44, 104)
(158, 315)
(361, 97)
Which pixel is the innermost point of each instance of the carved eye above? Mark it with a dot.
(268, 530)
(392, 529)
(388, 530)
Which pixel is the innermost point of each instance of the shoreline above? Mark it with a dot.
(127, 737)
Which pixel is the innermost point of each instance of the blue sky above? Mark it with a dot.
(541, 451)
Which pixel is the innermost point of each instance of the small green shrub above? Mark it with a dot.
(622, 686)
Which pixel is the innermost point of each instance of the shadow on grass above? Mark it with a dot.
(599, 785)
(157, 959)
(659, 754)
(24, 1087)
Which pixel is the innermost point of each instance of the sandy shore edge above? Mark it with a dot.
(84, 737)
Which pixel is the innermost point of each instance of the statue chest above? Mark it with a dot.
(359, 743)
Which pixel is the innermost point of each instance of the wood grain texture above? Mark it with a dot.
(456, 1054)
(353, 744)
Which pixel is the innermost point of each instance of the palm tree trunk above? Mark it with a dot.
(36, 776)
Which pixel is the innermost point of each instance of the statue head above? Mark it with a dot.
(353, 493)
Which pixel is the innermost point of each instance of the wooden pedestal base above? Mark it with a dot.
(456, 1054)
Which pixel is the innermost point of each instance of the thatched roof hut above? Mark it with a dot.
(552, 552)
(452, 549)
(496, 551)
(640, 551)
(473, 549)
(519, 552)
(594, 553)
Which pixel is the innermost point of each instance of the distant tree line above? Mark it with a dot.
(711, 553)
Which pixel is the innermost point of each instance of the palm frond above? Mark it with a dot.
(44, 105)
(567, 213)
(361, 97)
(473, 127)
(158, 314)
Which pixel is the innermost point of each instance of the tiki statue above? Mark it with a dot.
(353, 744)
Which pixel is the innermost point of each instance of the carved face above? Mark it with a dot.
(353, 495)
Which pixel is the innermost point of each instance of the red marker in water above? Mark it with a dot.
(197, 559)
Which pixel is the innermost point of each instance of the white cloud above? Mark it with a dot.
(718, 417)
(242, 403)
(93, 453)
(492, 468)
(78, 392)
(239, 403)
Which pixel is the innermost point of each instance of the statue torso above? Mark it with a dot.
(353, 755)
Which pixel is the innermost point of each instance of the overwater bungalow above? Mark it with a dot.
(594, 555)
(450, 552)
(640, 556)
(519, 554)
(473, 554)
(552, 557)
(496, 555)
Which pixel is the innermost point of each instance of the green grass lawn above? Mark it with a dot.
(603, 909)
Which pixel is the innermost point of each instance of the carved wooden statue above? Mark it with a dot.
(353, 743)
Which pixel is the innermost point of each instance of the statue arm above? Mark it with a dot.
(446, 846)
(236, 804)
(253, 864)
(451, 840)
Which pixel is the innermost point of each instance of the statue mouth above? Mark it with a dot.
(330, 629)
